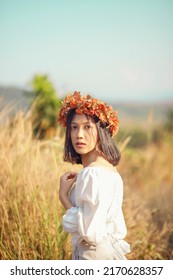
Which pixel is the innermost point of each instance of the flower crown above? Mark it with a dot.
(91, 107)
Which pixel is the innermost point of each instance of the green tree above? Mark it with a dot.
(44, 107)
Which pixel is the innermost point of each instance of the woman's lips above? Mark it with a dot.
(80, 144)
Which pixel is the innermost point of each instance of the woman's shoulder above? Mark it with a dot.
(100, 172)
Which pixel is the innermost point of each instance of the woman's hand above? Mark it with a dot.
(66, 183)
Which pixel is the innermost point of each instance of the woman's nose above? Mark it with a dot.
(80, 133)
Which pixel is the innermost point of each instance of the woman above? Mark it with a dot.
(93, 197)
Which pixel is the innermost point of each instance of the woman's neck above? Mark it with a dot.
(89, 158)
(94, 159)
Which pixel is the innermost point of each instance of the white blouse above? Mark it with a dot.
(97, 198)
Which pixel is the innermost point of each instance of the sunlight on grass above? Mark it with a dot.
(31, 213)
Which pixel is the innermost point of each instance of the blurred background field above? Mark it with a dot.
(30, 168)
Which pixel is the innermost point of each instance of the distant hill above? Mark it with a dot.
(143, 114)
(139, 114)
(14, 96)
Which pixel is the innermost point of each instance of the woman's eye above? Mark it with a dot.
(88, 126)
(73, 127)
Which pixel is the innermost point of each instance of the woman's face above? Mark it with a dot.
(84, 134)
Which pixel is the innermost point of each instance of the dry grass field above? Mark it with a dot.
(30, 212)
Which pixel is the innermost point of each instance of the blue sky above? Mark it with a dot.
(112, 49)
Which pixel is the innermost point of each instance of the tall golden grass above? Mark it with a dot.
(30, 211)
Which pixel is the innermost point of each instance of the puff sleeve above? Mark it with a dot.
(93, 199)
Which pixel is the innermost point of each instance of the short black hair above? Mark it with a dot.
(106, 146)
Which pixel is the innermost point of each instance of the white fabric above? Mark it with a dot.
(107, 249)
(97, 198)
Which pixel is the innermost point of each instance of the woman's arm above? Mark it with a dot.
(66, 183)
(94, 197)
(89, 218)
